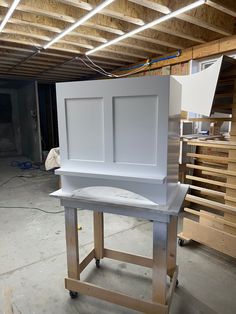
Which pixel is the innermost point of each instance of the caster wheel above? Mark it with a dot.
(97, 262)
(176, 284)
(73, 294)
(181, 242)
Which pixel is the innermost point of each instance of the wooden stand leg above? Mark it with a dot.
(72, 243)
(160, 237)
(98, 234)
(171, 246)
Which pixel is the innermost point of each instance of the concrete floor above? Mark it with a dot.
(33, 259)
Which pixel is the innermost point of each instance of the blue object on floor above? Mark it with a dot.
(25, 165)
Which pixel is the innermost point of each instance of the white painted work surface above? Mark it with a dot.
(122, 133)
(118, 201)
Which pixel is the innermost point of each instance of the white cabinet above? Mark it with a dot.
(121, 133)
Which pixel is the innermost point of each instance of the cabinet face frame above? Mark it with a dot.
(111, 96)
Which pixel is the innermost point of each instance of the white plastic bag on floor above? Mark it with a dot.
(53, 159)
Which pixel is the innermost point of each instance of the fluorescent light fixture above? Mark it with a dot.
(149, 25)
(79, 22)
(9, 14)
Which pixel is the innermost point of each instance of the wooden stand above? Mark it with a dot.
(163, 262)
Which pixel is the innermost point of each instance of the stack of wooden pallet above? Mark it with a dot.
(212, 176)
(211, 190)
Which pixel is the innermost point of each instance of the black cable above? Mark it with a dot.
(36, 208)
(25, 176)
(8, 180)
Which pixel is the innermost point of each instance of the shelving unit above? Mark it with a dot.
(212, 201)
(211, 210)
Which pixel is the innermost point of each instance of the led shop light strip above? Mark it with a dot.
(149, 25)
(9, 14)
(79, 22)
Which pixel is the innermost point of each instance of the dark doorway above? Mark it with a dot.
(48, 116)
(7, 136)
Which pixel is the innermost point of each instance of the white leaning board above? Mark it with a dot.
(198, 89)
(122, 133)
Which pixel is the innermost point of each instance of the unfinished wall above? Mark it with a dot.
(29, 121)
(176, 69)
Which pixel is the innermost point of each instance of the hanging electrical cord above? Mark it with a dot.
(139, 67)
(109, 74)
(94, 69)
(96, 65)
(35, 208)
(175, 55)
(134, 72)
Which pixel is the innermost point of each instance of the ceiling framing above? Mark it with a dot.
(34, 23)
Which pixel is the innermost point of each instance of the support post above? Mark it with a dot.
(72, 243)
(159, 276)
(98, 223)
(171, 245)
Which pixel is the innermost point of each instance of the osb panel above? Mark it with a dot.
(180, 69)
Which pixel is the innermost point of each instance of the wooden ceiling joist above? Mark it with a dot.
(40, 59)
(35, 23)
(58, 75)
(121, 54)
(154, 5)
(72, 67)
(62, 78)
(27, 67)
(67, 18)
(108, 63)
(110, 56)
(4, 68)
(45, 36)
(225, 6)
(75, 38)
(6, 61)
(115, 10)
(75, 65)
(206, 17)
(66, 73)
(12, 38)
(14, 49)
